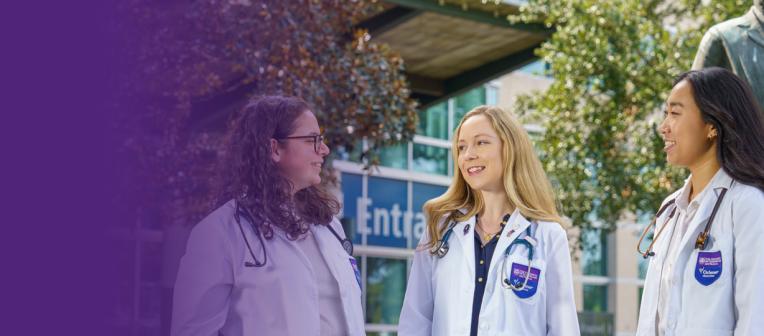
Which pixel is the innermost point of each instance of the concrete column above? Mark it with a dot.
(623, 265)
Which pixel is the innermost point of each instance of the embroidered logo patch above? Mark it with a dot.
(709, 267)
(517, 278)
(357, 272)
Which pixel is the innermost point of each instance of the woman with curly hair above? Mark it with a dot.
(272, 260)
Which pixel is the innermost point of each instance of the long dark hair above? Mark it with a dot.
(727, 102)
(252, 179)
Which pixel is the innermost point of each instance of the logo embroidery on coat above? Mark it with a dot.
(708, 268)
(518, 277)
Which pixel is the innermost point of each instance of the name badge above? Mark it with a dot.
(709, 267)
(357, 272)
(517, 278)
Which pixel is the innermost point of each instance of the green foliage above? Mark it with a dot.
(184, 54)
(613, 63)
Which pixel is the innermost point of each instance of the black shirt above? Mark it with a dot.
(483, 255)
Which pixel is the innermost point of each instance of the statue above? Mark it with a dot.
(738, 45)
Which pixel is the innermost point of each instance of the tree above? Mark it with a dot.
(183, 54)
(613, 63)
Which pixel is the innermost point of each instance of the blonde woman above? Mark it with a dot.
(470, 274)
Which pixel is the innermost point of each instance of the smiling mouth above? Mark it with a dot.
(669, 144)
(475, 170)
(317, 164)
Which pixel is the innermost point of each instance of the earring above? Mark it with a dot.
(712, 134)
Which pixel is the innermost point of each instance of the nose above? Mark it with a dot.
(663, 128)
(469, 154)
(323, 150)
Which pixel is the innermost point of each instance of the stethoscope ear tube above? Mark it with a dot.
(702, 241)
(530, 243)
(251, 219)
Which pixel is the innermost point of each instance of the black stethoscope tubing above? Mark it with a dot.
(347, 245)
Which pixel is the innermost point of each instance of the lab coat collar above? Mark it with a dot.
(464, 234)
(329, 246)
(709, 196)
(515, 227)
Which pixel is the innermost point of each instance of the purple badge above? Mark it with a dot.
(709, 267)
(517, 278)
(356, 271)
(466, 228)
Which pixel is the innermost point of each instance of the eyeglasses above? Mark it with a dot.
(317, 140)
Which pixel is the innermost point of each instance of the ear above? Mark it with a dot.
(711, 131)
(275, 151)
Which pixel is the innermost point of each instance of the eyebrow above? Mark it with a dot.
(480, 134)
(672, 104)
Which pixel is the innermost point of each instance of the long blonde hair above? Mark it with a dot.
(527, 186)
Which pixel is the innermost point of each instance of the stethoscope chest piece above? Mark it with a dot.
(348, 246)
(442, 250)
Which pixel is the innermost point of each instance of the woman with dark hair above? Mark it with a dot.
(706, 270)
(272, 260)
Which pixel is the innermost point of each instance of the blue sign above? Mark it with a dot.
(384, 216)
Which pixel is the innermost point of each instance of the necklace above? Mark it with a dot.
(486, 235)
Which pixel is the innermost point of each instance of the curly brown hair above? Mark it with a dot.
(251, 176)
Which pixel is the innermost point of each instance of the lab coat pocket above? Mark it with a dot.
(708, 266)
(525, 286)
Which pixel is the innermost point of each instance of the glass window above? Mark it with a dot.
(352, 185)
(350, 154)
(385, 287)
(642, 270)
(643, 262)
(433, 122)
(594, 254)
(466, 102)
(491, 95)
(394, 156)
(537, 68)
(429, 159)
(595, 298)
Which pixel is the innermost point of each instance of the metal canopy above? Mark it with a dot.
(451, 46)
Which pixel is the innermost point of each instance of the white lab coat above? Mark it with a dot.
(733, 303)
(216, 294)
(439, 295)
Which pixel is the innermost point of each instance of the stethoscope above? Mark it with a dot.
(347, 245)
(528, 241)
(701, 242)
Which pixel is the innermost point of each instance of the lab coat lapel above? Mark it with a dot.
(330, 249)
(698, 223)
(513, 229)
(465, 237)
